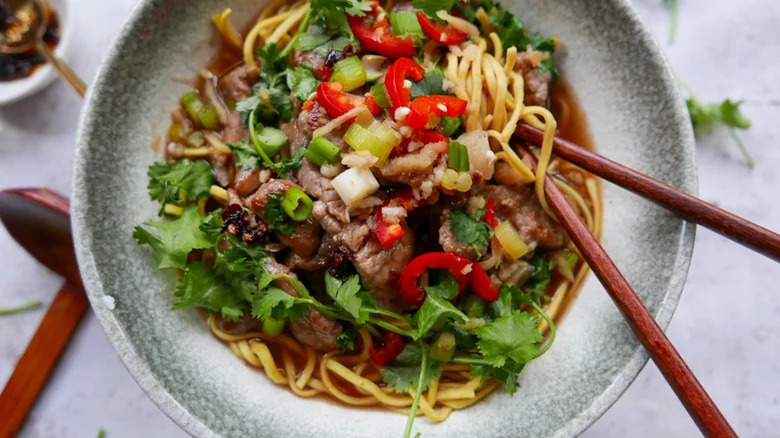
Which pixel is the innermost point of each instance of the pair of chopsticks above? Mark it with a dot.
(700, 406)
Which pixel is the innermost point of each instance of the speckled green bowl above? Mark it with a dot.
(636, 117)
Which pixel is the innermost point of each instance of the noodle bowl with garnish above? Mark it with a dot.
(348, 208)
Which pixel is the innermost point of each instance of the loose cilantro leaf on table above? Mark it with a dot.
(173, 183)
(470, 231)
(172, 240)
(275, 216)
(404, 371)
(706, 117)
(350, 296)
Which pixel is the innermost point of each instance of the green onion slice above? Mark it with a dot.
(458, 156)
(297, 204)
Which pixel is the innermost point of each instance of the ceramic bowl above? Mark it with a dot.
(636, 117)
(13, 91)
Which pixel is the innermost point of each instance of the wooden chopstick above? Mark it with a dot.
(687, 206)
(682, 380)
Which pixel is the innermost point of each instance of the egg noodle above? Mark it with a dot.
(481, 72)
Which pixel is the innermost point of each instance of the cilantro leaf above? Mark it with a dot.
(278, 304)
(470, 231)
(506, 376)
(433, 310)
(512, 339)
(337, 44)
(539, 279)
(275, 217)
(311, 40)
(511, 32)
(302, 82)
(274, 64)
(431, 83)
(356, 8)
(350, 296)
(172, 240)
(168, 181)
(346, 340)
(200, 287)
(247, 157)
(404, 371)
(285, 165)
(212, 225)
(430, 7)
(447, 287)
(281, 103)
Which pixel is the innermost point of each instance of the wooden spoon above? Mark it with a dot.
(39, 221)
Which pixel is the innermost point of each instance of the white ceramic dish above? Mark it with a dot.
(13, 91)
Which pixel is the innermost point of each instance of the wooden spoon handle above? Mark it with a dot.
(42, 353)
(64, 70)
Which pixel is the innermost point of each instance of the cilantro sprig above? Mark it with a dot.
(705, 118)
(470, 231)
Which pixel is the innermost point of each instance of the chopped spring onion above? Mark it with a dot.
(510, 240)
(443, 348)
(350, 72)
(297, 204)
(571, 259)
(174, 133)
(200, 110)
(449, 125)
(405, 23)
(271, 140)
(458, 157)
(374, 137)
(474, 306)
(380, 95)
(322, 151)
(355, 184)
(454, 180)
(273, 326)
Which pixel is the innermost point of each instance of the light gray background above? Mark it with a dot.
(726, 325)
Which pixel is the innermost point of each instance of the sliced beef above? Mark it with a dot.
(234, 132)
(380, 268)
(537, 84)
(236, 85)
(524, 211)
(314, 329)
(319, 260)
(306, 238)
(246, 324)
(246, 182)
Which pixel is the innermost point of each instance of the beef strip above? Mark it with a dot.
(320, 260)
(313, 329)
(524, 211)
(537, 83)
(380, 268)
(246, 182)
(236, 85)
(305, 240)
(245, 324)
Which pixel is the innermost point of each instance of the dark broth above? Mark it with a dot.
(22, 65)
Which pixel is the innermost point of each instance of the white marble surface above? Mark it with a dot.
(725, 326)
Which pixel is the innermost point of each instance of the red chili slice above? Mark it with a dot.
(378, 39)
(440, 33)
(393, 346)
(401, 69)
(336, 102)
(440, 105)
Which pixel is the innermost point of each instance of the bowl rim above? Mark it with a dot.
(141, 371)
(16, 90)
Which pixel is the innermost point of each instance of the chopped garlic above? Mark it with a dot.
(402, 111)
